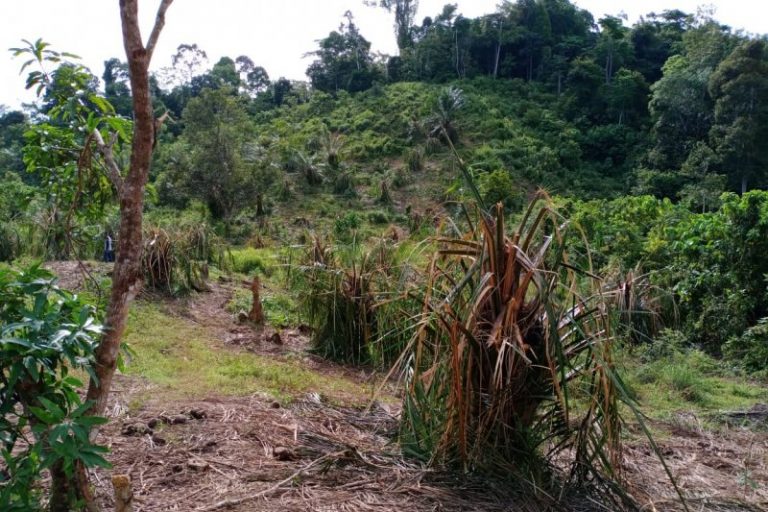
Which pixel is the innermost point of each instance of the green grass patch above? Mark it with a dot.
(687, 380)
(249, 261)
(182, 358)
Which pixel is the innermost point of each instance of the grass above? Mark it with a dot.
(248, 260)
(183, 359)
(688, 380)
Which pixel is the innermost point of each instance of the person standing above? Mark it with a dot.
(109, 248)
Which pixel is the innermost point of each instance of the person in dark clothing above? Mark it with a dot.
(109, 248)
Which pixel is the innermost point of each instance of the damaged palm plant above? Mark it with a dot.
(346, 299)
(643, 308)
(511, 359)
(177, 260)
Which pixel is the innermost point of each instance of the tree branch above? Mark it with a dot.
(113, 170)
(159, 24)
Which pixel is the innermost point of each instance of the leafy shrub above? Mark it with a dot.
(378, 217)
(45, 334)
(498, 187)
(249, 261)
(10, 242)
(750, 350)
(346, 227)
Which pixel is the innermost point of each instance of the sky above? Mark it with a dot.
(275, 34)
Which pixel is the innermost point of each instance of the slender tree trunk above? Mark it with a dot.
(498, 53)
(126, 274)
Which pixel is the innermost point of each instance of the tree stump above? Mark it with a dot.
(256, 314)
(123, 493)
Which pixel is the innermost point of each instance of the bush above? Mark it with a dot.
(176, 260)
(249, 261)
(507, 334)
(10, 242)
(378, 217)
(415, 159)
(750, 350)
(47, 333)
(352, 301)
(498, 187)
(346, 227)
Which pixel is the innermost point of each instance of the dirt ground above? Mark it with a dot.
(253, 453)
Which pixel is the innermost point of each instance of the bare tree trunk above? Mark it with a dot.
(256, 315)
(123, 493)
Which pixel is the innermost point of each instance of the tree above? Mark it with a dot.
(405, 13)
(344, 61)
(739, 87)
(613, 46)
(217, 140)
(188, 62)
(627, 95)
(681, 110)
(253, 79)
(130, 188)
(116, 88)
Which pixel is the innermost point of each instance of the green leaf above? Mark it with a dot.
(31, 365)
(43, 415)
(52, 408)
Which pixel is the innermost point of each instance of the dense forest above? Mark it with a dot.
(443, 210)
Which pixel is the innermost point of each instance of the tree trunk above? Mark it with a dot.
(61, 490)
(256, 315)
(126, 274)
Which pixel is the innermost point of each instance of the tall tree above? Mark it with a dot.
(739, 87)
(344, 60)
(405, 14)
(218, 145)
